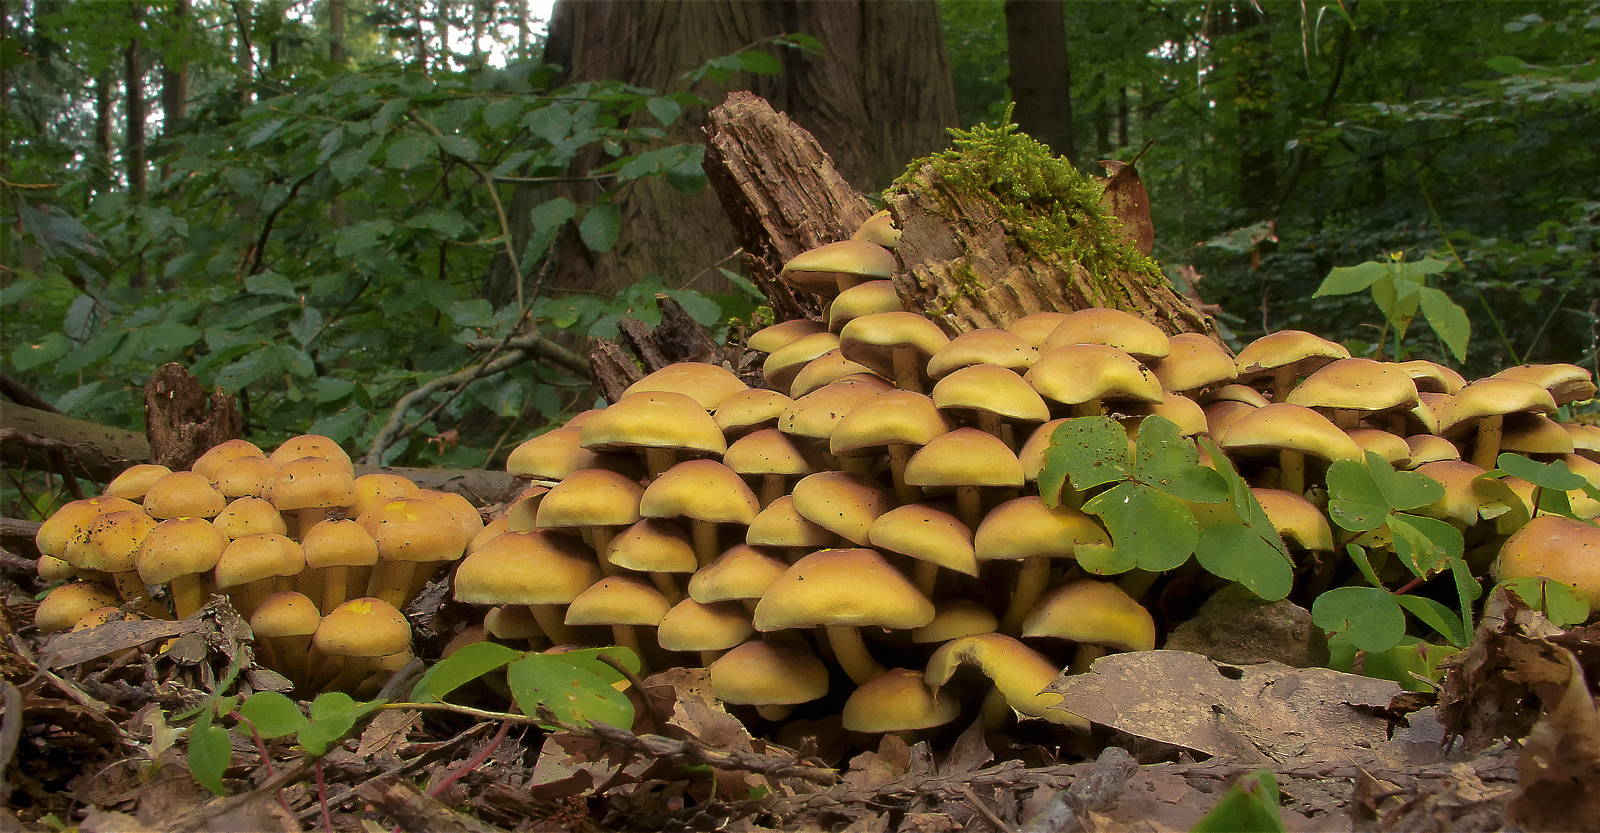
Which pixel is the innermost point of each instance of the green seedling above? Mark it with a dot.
(1249, 806)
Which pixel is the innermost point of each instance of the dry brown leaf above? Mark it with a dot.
(1256, 713)
(1125, 197)
(387, 732)
(74, 647)
(871, 770)
(1559, 771)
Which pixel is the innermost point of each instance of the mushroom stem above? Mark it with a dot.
(1087, 653)
(925, 574)
(188, 594)
(969, 505)
(132, 589)
(989, 423)
(1093, 407)
(1292, 471)
(599, 539)
(553, 622)
(658, 460)
(995, 711)
(773, 486)
(1031, 582)
(706, 546)
(1487, 448)
(335, 586)
(774, 711)
(851, 652)
(391, 582)
(899, 456)
(668, 587)
(907, 372)
(1283, 381)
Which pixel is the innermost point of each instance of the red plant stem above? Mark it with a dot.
(476, 761)
(266, 760)
(322, 799)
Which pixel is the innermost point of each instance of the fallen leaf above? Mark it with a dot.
(1256, 713)
(1125, 197)
(74, 647)
(387, 732)
(1559, 771)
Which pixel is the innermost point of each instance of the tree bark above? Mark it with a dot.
(336, 31)
(879, 96)
(133, 145)
(1040, 78)
(1252, 74)
(181, 421)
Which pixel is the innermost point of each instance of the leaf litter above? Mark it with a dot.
(93, 735)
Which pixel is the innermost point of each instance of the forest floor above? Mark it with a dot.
(1511, 740)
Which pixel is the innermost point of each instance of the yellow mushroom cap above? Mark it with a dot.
(183, 494)
(983, 346)
(1112, 327)
(750, 410)
(552, 455)
(179, 547)
(1553, 547)
(769, 339)
(377, 488)
(1079, 373)
(782, 525)
(818, 413)
(826, 588)
(526, 568)
(70, 524)
(1035, 327)
(1092, 612)
(414, 529)
(618, 600)
(654, 419)
(899, 700)
(592, 497)
(1194, 361)
(309, 445)
(1025, 527)
(707, 384)
(863, 299)
(364, 627)
(1295, 427)
(703, 490)
(1566, 382)
(1432, 377)
(1306, 352)
(113, 540)
(258, 556)
(245, 515)
(827, 368)
(134, 481)
(653, 545)
(244, 476)
(1493, 397)
(871, 338)
(1296, 519)
(692, 626)
(286, 613)
(816, 270)
(893, 416)
(927, 534)
(954, 618)
(842, 503)
(742, 572)
(879, 229)
(786, 362)
(767, 451)
(339, 543)
(219, 454)
(991, 388)
(313, 483)
(766, 673)
(68, 604)
(964, 457)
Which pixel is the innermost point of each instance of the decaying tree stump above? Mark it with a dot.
(960, 262)
(181, 421)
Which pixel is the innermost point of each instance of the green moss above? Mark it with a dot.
(1052, 209)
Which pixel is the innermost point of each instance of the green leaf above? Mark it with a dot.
(689, 175)
(271, 283)
(547, 217)
(352, 163)
(1249, 806)
(1562, 604)
(1424, 542)
(1448, 320)
(1240, 554)
(759, 62)
(1343, 280)
(1370, 615)
(272, 714)
(600, 226)
(552, 123)
(1402, 490)
(465, 665)
(333, 715)
(1506, 64)
(409, 151)
(1354, 500)
(210, 752)
(1555, 475)
(264, 132)
(1149, 530)
(1085, 452)
(1164, 459)
(1442, 619)
(166, 341)
(330, 144)
(18, 291)
(573, 694)
(665, 110)
(51, 348)
(1359, 556)
(458, 146)
(501, 112)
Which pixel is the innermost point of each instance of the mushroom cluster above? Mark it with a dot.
(319, 561)
(869, 522)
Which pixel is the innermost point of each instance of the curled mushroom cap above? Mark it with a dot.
(1566, 382)
(829, 269)
(842, 503)
(879, 229)
(1296, 519)
(1285, 356)
(750, 410)
(786, 362)
(70, 524)
(1020, 673)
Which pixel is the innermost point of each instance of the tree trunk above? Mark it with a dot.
(102, 164)
(1040, 78)
(1252, 73)
(243, 53)
(880, 95)
(959, 264)
(133, 146)
(336, 31)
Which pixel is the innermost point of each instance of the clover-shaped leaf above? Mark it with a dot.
(1165, 459)
(1369, 616)
(1149, 530)
(1084, 452)
(1240, 554)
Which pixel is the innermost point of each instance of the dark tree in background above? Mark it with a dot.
(1041, 77)
(878, 96)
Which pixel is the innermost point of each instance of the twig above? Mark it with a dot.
(339, 799)
(201, 817)
(994, 821)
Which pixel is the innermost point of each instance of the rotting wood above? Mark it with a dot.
(182, 421)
